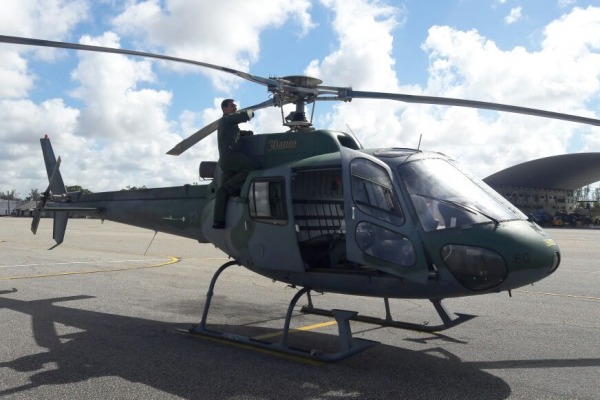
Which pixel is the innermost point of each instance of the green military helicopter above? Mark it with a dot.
(324, 214)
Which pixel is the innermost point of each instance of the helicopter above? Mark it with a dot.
(324, 214)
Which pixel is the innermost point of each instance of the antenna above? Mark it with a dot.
(150, 244)
(355, 138)
(419, 145)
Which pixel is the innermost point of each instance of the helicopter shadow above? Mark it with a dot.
(152, 353)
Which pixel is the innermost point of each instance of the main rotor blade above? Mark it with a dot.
(194, 138)
(447, 101)
(208, 129)
(101, 49)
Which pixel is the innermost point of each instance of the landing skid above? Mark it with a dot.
(348, 345)
(447, 320)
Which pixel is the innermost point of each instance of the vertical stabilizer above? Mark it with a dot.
(57, 185)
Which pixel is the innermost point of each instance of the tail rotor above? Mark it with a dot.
(37, 213)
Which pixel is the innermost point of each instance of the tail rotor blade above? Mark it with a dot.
(37, 212)
(36, 220)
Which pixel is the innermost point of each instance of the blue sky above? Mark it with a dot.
(112, 118)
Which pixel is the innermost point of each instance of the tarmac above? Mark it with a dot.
(100, 316)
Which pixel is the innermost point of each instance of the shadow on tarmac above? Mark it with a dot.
(153, 354)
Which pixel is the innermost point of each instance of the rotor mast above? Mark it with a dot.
(298, 90)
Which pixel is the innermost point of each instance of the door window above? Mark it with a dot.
(373, 193)
(266, 201)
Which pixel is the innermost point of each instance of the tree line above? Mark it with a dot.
(36, 195)
(587, 193)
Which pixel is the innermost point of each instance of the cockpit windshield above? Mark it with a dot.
(445, 196)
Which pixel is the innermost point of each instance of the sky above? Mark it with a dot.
(112, 118)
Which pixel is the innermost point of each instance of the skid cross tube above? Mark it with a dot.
(448, 321)
(348, 345)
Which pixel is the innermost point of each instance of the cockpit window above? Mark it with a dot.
(444, 196)
(373, 192)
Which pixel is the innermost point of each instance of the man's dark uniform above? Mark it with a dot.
(234, 164)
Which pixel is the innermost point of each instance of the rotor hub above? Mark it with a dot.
(303, 81)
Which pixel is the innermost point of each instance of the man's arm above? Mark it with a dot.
(239, 117)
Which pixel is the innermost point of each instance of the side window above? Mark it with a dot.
(266, 201)
(373, 192)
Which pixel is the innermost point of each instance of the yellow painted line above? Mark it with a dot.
(302, 328)
(75, 262)
(560, 295)
(173, 260)
(291, 357)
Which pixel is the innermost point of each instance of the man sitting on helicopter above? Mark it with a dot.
(235, 165)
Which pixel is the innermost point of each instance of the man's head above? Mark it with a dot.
(228, 106)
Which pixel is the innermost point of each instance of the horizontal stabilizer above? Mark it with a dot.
(69, 208)
(60, 226)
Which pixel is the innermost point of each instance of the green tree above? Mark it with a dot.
(578, 194)
(9, 195)
(34, 195)
(77, 188)
(135, 188)
(586, 192)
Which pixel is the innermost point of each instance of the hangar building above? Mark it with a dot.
(547, 183)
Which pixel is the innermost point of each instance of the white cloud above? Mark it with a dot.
(206, 30)
(514, 15)
(364, 52)
(49, 19)
(23, 123)
(467, 65)
(119, 136)
(15, 78)
(121, 129)
(363, 60)
(464, 64)
(575, 35)
(125, 120)
(566, 3)
(114, 107)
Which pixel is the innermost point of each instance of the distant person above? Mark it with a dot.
(234, 164)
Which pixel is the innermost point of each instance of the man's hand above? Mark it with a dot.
(250, 114)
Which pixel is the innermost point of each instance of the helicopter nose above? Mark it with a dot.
(532, 257)
(513, 255)
(555, 262)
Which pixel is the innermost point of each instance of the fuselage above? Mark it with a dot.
(325, 214)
